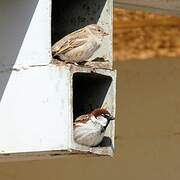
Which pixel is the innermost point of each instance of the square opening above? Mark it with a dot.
(70, 15)
(90, 91)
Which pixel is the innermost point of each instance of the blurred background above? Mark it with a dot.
(140, 36)
(146, 50)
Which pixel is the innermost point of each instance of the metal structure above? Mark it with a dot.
(38, 99)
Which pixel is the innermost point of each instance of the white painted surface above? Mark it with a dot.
(25, 32)
(109, 102)
(34, 110)
(82, 14)
(105, 21)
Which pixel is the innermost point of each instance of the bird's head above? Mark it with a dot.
(103, 116)
(97, 30)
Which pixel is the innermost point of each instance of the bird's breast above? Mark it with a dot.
(83, 52)
(88, 134)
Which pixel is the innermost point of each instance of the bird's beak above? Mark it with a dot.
(105, 34)
(111, 118)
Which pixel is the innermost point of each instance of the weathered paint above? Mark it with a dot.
(36, 97)
(36, 109)
(84, 13)
(105, 21)
(108, 103)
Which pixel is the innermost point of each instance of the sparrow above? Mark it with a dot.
(89, 129)
(80, 45)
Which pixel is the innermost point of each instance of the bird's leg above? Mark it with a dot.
(82, 63)
(74, 63)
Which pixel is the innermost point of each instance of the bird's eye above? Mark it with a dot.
(99, 30)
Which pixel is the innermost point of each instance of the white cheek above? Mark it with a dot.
(102, 120)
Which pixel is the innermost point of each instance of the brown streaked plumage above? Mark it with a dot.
(99, 111)
(80, 45)
(89, 129)
(81, 119)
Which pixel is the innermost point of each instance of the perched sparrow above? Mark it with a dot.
(89, 129)
(80, 45)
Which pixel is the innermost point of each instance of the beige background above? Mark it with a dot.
(147, 132)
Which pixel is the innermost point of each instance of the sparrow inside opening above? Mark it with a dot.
(71, 15)
(90, 91)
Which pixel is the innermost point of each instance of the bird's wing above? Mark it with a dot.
(73, 40)
(71, 44)
(82, 119)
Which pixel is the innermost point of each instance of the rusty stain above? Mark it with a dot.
(6, 154)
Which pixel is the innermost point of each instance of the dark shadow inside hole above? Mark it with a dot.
(106, 142)
(98, 59)
(70, 15)
(89, 92)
